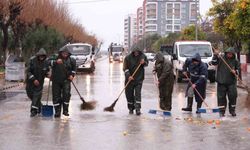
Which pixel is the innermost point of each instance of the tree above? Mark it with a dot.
(221, 12)
(147, 42)
(188, 33)
(169, 40)
(241, 21)
(9, 10)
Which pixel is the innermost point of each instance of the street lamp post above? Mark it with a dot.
(196, 20)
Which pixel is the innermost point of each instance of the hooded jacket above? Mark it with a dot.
(223, 73)
(164, 69)
(131, 62)
(37, 69)
(61, 72)
(198, 75)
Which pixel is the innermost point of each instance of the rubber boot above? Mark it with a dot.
(198, 107)
(57, 111)
(131, 111)
(232, 112)
(65, 109)
(189, 104)
(138, 112)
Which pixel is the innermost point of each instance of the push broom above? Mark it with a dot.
(85, 105)
(111, 107)
(238, 78)
(155, 111)
(203, 110)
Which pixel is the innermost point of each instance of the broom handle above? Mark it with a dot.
(158, 92)
(129, 80)
(76, 89)
(48, 93)
(197, 91)
(229, 67)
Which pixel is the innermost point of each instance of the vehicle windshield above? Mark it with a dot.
(117, 49)
(79, 49)
(189, 50)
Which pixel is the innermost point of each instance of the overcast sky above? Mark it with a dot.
(104, 18)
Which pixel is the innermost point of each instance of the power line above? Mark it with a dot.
(86, 1)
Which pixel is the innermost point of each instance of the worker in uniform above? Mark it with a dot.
(164, 71)
(133, 90)
(63, 72)
(198, 76)
(226, 79)
(37, 70)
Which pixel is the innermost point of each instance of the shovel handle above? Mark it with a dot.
(48, 93)
(203, 100)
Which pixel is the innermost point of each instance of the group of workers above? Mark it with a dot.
(194, 70)
(63, 70)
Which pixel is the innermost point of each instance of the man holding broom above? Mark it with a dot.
(37, 70)
(198, 81)
(63, 72)
(164, 71)
(226, 77)
(133, 91)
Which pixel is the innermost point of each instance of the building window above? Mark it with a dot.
(151, 11)
(192, 11)
(177, 28)
(169, 11)
(169, 27)
(177, 10)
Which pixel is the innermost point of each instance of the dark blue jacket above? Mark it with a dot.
(198, 75)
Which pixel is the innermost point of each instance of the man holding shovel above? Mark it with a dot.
(37, 70)
(198, 77)
(63, 72)
(226, 77)
(133, 90)
(164, 71)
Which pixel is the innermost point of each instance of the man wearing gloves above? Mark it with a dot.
(133, 90)
(226, 80)
(63, 72)
(198, 76)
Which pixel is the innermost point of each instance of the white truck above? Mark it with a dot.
(116, 53)
(186, 49)
(84, 55)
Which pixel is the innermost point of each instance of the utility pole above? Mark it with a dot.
(196, 20)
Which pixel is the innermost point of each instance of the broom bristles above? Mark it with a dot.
(111, 107)
(88, 105)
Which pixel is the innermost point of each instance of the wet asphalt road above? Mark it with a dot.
(118, 130)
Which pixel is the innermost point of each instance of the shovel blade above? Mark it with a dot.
(47, 111)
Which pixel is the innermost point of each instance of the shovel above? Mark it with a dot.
(47, 110)
(156, 111)
(204, 110)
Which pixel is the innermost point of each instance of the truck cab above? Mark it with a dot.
(84, 55)
(116, 53)
(186, 49)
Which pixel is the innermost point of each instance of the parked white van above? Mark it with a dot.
(186, 49)
(84, 56)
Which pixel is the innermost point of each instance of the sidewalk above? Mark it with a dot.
(4, 85)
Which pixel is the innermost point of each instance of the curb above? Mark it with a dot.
(9, 87)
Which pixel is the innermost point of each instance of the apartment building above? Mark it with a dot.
(140, 18)
(167, 16)
(130, 30)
